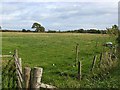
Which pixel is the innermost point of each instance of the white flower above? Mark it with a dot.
(10, 52)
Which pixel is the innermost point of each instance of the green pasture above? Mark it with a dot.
(55, 53)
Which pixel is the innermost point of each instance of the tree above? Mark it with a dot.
(0, 27)
(113, 31)
(23, 30)
(118, 41)
(38, 27)
(42, 29)
(28, 31)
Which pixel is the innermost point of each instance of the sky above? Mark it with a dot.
(56, 15)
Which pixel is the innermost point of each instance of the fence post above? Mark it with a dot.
(93, 63)
(100, 62)
(20, 64)
(19, 79)
(27, 71)
(79, 70)
(110, 60)
(77, 54)
(37, 74)
(16, 53)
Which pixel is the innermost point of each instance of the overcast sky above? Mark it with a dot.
(59, 15)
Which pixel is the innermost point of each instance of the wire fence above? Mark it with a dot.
(9, 78)
(13, 77)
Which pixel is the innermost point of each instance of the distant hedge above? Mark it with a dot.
(68, 31)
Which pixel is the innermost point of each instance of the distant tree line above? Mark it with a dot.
(39, 28)
(24, 30)
(79, 31)
(88, 31)
(10, 30)
(55, 31)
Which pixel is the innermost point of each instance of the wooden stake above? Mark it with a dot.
(37, 74)
(19, 79)
(93, 63)
(100, 62)
(16, 53)
(109, 60)
(77, 54)
(27, 71)
(79, 70)
(20, 64)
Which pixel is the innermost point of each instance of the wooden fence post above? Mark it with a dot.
(27, 71)
(16, 53)
(110, 60)
(20, 64)
(77, 54)
(37, 74)
(100, 62)
(93, 63)
(79, 70)
(19, 79)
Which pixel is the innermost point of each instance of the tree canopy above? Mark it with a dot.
(0, 27)
(38, 27)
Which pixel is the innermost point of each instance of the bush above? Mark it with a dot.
(23, 30)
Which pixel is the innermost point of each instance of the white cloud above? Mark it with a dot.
(60, 1)
(59, 15)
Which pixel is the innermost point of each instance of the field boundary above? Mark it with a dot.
(28, 78)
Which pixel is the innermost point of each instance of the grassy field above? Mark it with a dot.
(55, 53)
